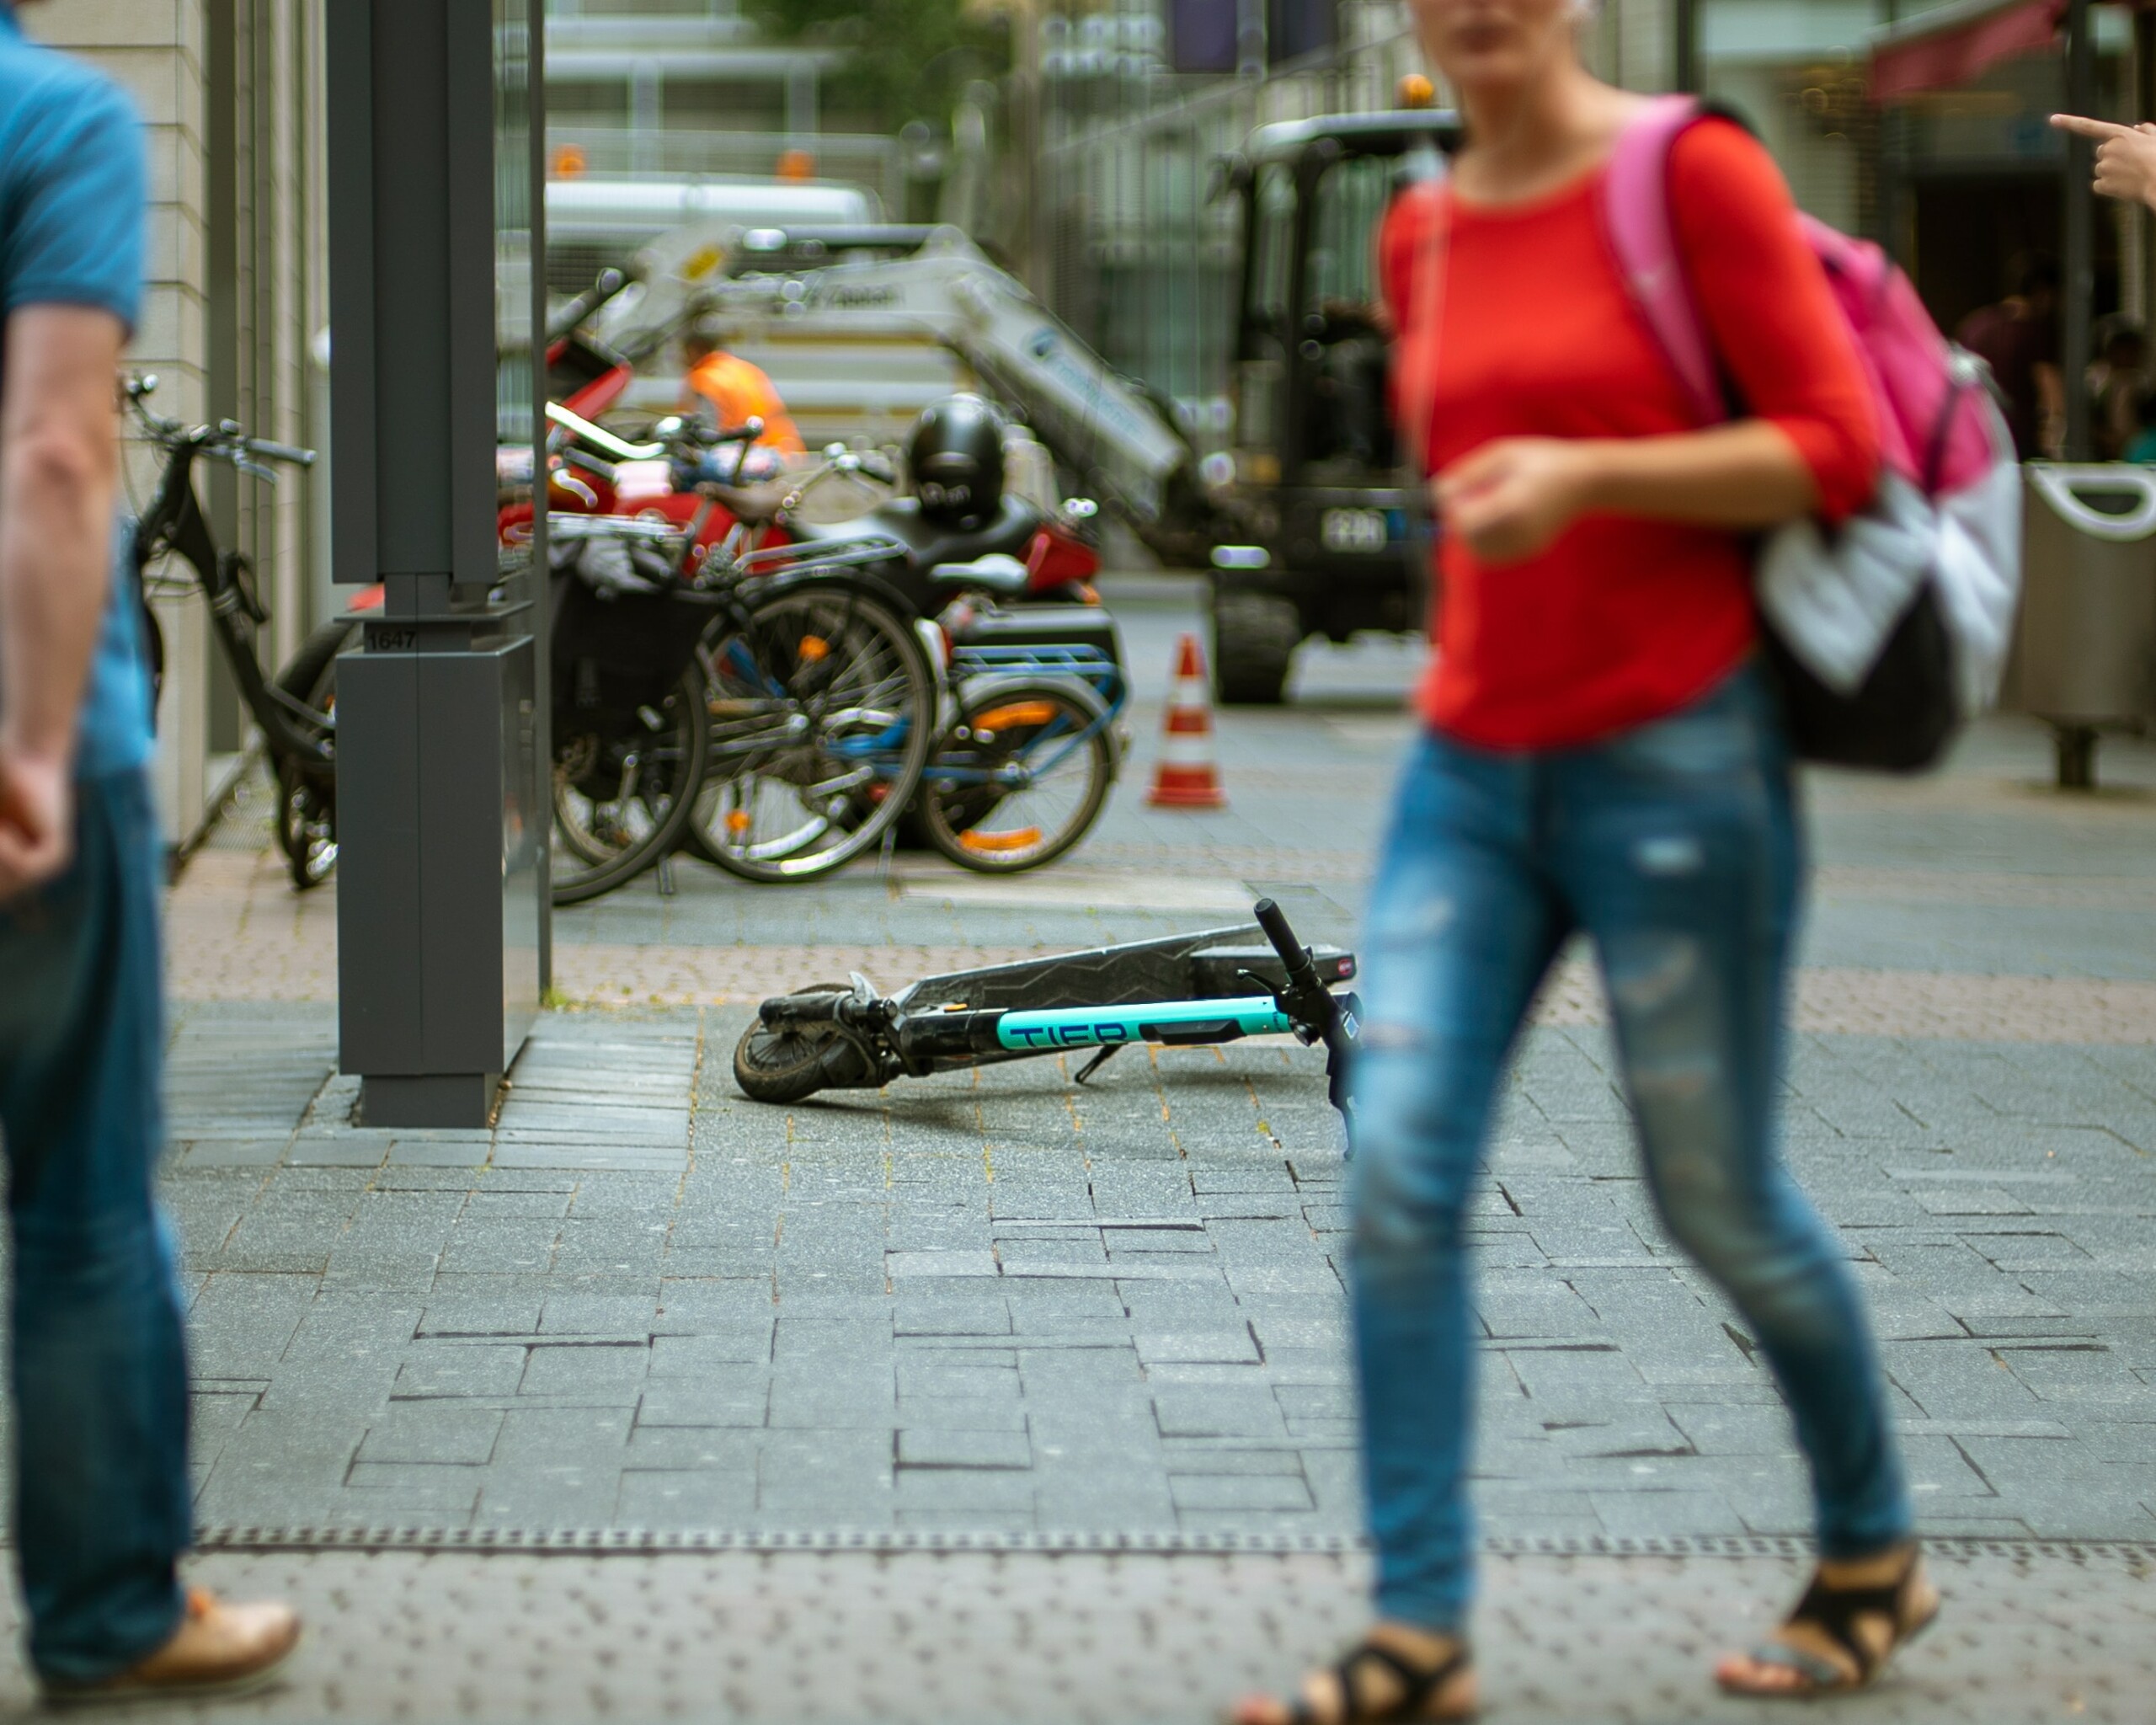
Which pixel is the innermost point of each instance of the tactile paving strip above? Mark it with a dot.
(634, 1541)
(834, 1636)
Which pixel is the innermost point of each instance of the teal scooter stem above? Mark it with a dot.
(1169, 1022)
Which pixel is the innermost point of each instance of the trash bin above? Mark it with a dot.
(2084, 647)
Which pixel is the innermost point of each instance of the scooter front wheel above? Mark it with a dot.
(794, 1059)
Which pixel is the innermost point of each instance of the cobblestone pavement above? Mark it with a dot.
(809, 1637)
(999, 1304)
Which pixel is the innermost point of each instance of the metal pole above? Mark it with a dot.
(1685, 22)
(2145, 110)
(1891, 202)
(538, 582)
(438, 915)
(2080, 269)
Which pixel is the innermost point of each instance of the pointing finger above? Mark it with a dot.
(2088, 128)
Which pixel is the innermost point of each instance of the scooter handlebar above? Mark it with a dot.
(1293, 954)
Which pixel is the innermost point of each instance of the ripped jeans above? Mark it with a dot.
(1675, 846)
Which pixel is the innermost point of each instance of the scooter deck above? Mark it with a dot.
(1204, 966)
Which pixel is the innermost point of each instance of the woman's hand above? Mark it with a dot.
(2126, 156)
(1512, 498)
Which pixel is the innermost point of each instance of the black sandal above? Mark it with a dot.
(1417, 1683)
(1834, 1612)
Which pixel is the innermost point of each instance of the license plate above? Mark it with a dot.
(1352, 529)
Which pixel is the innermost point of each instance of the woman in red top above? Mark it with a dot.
(1601, 756)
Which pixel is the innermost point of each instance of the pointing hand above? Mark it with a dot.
(2126, 156)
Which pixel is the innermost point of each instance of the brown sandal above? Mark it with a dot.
(1418, 1685)
(1835, 1612)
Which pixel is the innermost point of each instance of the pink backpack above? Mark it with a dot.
(1890, 632)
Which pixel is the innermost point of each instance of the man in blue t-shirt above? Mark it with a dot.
(103, 1500)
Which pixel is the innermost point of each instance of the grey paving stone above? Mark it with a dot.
(1219, 1413)
(701, 1498)
(432, 1432)
(601, 1373)
(241, 1322)
(612, 1315)
(459, 1370)
(397, 1489)
(482, 1313)
(948, 1448)
(743, 1400)
(858, 1401)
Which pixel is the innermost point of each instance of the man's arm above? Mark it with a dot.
(59, 473)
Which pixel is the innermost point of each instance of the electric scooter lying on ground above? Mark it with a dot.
(1182, 990)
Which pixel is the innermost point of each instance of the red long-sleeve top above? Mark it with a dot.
(1620, 620)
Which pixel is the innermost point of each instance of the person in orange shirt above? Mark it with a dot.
(735, 390)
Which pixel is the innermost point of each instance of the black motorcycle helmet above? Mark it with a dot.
(956, 457)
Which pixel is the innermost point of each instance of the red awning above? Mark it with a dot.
(1955, 44)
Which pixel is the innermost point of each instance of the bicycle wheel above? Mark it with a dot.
(1021, 777)
(623, 791)
(307, 790)
(822, 707)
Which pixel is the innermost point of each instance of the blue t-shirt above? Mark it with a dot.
(72, 208)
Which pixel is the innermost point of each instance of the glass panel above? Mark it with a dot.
(1261, 372)
(1349, 432)
(527, 779)
(1351, 197)
(1272, 262)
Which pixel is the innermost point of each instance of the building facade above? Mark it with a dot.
(231, 321)
(1128, 244)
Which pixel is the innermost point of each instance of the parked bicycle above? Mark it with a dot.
(1027, 693)
(296, 709)
(677, 662)
(810, 761)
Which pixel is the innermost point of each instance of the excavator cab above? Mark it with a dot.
(1328, 534)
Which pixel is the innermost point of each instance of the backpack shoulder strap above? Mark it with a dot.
(1642, 233)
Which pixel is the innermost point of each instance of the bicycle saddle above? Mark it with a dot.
(1009, 530)
(998, 574)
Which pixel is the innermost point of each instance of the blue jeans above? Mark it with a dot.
(102, 1500)
(1675, 848)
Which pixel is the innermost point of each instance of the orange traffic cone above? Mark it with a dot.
(1188, 776)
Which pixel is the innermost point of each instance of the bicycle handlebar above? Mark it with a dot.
(270, 452)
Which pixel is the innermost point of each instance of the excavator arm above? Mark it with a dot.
(1124, 448)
